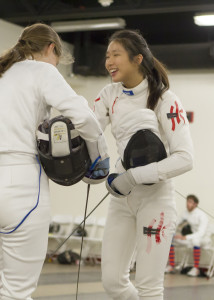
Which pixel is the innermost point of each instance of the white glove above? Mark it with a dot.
(120, 185)
(97, 148)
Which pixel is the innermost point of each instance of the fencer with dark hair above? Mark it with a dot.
(144, 116)
(30, 85)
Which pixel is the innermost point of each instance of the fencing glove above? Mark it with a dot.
(97, 172)
(120, 185)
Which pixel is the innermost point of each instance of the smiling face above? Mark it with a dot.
(121, 68)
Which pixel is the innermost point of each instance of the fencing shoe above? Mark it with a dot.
(194, 272)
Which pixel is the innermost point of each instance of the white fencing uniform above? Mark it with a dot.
(27, 92)
(24, 250)
(147, 217)
(199, 223)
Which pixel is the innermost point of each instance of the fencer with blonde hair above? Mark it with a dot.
(30, 85)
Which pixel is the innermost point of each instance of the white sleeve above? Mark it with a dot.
(202, 228)
(175, 126)
(57, 93)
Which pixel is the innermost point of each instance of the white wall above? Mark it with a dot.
(196, 91)
(9, 34)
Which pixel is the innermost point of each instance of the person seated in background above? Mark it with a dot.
(194, 234)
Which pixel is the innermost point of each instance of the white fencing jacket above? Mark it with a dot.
(126, 110)
(198, 221)
(28, 90)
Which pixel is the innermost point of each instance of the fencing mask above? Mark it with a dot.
(143, 148)
(62, 152)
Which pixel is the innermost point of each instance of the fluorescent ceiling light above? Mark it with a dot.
(86, 25)
(105, 2)
(204, 19)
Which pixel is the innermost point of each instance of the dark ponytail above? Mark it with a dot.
(152, 69)
(158, 83)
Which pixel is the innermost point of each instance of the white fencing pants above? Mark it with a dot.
(146, 219)
(22, 252)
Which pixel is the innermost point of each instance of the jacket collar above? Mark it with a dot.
(139, 89)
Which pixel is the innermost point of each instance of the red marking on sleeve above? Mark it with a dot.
(114, 104)
(173, 120)
(177, 112)
(98, 99)
(178, 115)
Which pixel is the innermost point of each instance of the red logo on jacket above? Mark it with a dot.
(175, 115)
